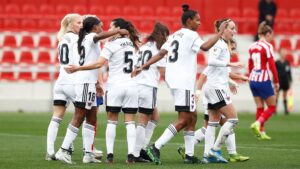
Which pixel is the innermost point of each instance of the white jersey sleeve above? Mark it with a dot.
(197, 43)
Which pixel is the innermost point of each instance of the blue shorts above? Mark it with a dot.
(99, 101)
(261, 89)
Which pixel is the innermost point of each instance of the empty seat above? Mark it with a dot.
(248, 28)
(233, 12)
(97, 10)
(9, 41)
(46, 9)
(9, 57)
(48, 25)
(12, 9)
(285, 43)
(162, 11)
(282, 28)
(29, 24)
(27, 76)
(44, 57)
(130, 11)
(146, 11)
(80, 9)
(29, 9)
(45, 42)
(10, 76)
(145, 26)
(26, 57)
(290, 59)
(27, 41)
(296, 28)
(62, 9)
(297, 47)
(44, 76)
(11, 24)
(250, 13)
(113, 11)
(295, 13)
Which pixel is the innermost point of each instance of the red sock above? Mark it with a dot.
(266, 114)
(259, 111)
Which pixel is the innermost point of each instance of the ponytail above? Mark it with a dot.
(159, 34)
(81, 36)
(65, 24)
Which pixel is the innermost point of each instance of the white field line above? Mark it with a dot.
(243, 146)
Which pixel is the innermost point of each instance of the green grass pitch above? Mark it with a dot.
(23, 144)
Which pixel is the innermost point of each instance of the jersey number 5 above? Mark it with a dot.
(174, 56)
(128, 60)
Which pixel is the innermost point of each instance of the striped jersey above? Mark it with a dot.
(260, 54)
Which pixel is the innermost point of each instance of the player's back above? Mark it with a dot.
(181, 67)
(150, 76)
(260, 52)
(121, 57)
(89, 54)
(66, 56)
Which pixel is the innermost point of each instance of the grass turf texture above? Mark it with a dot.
(23, 144)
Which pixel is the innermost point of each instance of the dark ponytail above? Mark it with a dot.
(159, 34)
(133, 33)
(187, 14)
(87, 27)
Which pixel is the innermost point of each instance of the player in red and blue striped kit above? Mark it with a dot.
(261, 62)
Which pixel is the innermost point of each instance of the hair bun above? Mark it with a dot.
(185, 7)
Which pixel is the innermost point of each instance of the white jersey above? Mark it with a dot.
(218, 72)
(120, 54)
(181, 67)
(150, 76)
(66, 56)
(90, 54)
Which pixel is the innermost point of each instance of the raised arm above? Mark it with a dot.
(104, 35)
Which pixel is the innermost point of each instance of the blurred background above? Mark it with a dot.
(28, 56)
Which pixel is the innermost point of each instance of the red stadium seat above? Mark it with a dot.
(248, 28)
(97, 10)
(9, 57)
(26, 57)
(9, 41)
(11, 24)
(27, 41)
(282, 28)
(80, 9)
(62, 9)
(290, 59)
(44, 57)
(177, 12)
(282, 14)
(146, 11)
(145, 26)
(296, 28)
(12, 9)
(162, 11)
(46, 9)
(29, 24)
(29, 9)
(45, 42)
(285, 43)
(233, 12)
(297, 47)
(113, 11)
(130, 11)
(201, 59)
(27, 76)
(295, 13)
(44, 76)
(9, 76)
(48, 25)
(250, 14)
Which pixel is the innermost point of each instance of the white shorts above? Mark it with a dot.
(121, 97)
(85, 95)
(63, 94)
(216, 98)
(184, 100)
(147, 98)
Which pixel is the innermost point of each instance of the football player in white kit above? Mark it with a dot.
(63, 92)
(181, 68)
(217, 92)
(88, 48)
(200, 133)
(147, 89)
(121, 88)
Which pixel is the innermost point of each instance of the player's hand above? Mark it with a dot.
(276, 87)
(123, 32)
(244, 78)
(223, 26)
(233, 89)
(99, 90)
(135, 72)
(197, 95)
(71, 68)
(236, 64)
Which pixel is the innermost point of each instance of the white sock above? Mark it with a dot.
(149, 131)
(199, 135)
(230, 144)
(131, 136)
(52, 133)
(140, 139)
(168, 134)
(88, 137)
(225, 130)
(210, 135)
(70, 137)
(189, 142)
(110, 135)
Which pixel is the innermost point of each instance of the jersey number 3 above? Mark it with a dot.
(174, 56)
(128, 61)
